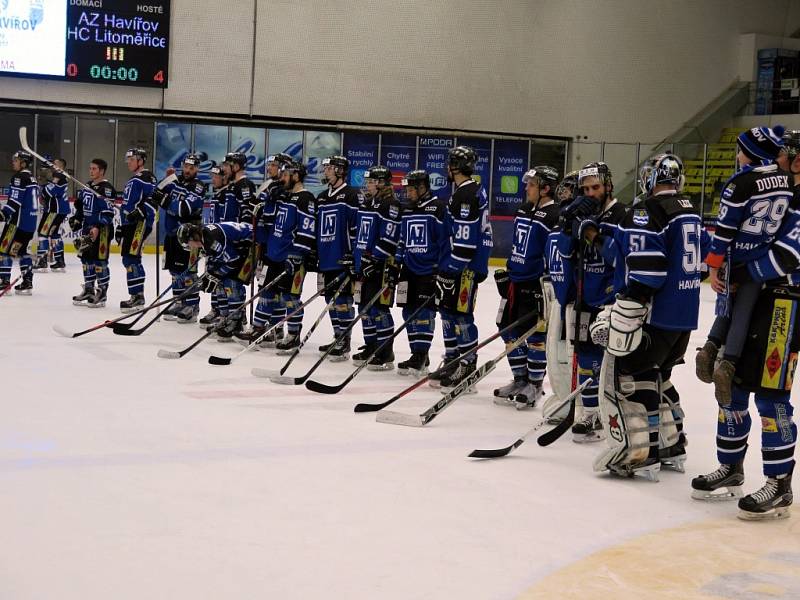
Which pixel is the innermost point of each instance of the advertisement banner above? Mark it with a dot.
(483, 148)
(211, 143)
(510, 163)
(361, 149)
(399, 155)
(289, 141)
(433, 159)
(251, 141)
(173, 141)
(319, 145)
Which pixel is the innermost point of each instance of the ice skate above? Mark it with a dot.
(772, 501)
(25, 287)
(528, 396)
(382, 361)
(673, 457)
(83, 298)
(171, 314)
(341, 350)
(456, 376)
(723, 484)
(589, 429)
(187, 314)
(503, 394)
(135, 302)
(59, 266)
(210, 319)
(41, 264)
(288, 344)
(98, 300)
(360, 357)
(416, 366)
(649, 469)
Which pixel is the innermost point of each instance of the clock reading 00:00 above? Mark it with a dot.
(121, 73)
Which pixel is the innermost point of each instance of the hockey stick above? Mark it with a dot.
(396, 418)
(212, 330)
(541, 423)
(23, 140)
(283, 379)
(222, 360)
(125, 328)
(364, 407)
(321, 388)
(271, 373)
(5, 290)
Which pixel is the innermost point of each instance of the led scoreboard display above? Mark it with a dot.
(122, 42)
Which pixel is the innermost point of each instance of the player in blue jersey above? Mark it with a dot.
(223, 209)
(243, 189)
(289, 241)
(521, 289)
(19, 213)
(377, 230)
(94, 219)
(463, 266)
(595, 200)
(336, 221)
(270, 309)
(55, 209)
(137, 217)
(424, 239)
(766, 369)
(646, 330)
(753, 205)
(182, 201)
(227, 248)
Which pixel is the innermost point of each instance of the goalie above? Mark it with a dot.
(646, 330)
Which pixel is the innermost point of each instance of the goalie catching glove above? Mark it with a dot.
(625, 325)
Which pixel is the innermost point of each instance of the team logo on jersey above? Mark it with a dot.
(394, 212)
(328, 224)
(640, 217)
(464, 211)
(521, 235)
(727, 193)
(280, 220)
(364, 230)
(416, 234)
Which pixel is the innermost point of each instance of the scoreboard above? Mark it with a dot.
(119, 42)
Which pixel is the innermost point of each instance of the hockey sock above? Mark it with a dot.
(449, 335)
(263, 308)
(102, 272)
(43, 247)
(536, 356)
(6, 263)
(345, 312)
(58, 249)
(193, 299)
(26, 266)
(384, 324)
(295, 322)
(466, 335)
(733, 427)
(778, 434)
(89, 275)
(178, 285)
(589, 360)
(134, 273)
(420, 330)
(369, 327)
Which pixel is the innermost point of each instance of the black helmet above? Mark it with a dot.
(545, 174)
(791, 141)
(380, 173)
(661, 169)
(137, 152)
(337, 161)
(236, 158)
(193, 159)
(565, 191)
(418, 177)
(295, 166)
(188, 231)
(281, 158)
(217, 170)
(595, 169)
(462, 159)
(24, 156)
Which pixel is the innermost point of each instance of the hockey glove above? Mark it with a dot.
(159, 199)
(370, 267)
(118, 235)
(137, 214)
(392, 273)
(209, 283)
(625, 326)
(348, 264)
(598, 330)
(312, 262)
(445, 286)
(502, 281)
(583, 206)
(82, 243)
(75, 223)
(293, 264)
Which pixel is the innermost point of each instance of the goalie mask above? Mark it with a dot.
(661, 169)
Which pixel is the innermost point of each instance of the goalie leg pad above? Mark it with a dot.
(559, 360)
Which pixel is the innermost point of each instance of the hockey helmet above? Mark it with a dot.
(236, 158)
(281, 158)
(193, 159)
(661, 169)
(417, 178)
(23, 156)
(187, 232)
(565, 191)
(546, 175)
(137, 152)
(295, 166)
(462, 159)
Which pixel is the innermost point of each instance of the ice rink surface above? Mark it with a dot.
(127, 476)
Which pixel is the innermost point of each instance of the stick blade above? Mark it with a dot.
(491, 453)
(321, 388)
(548, 437)
(23, 137)
(364, 407)
(284, 380)
(127, 331)
(397, 418)
(266, 373)
(218, 360)
(168, 354)
(62, 331)
(118, 327)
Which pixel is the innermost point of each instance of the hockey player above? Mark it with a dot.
(521, 289)
(754, 202)
(55, 210)
(464, 265)
(136, 224)
(94, 218)
(646, 330)
(243, 189)
(336, 219)
(422, 242)
(227, 247)
(597, 280)
(224, 208)
(290, 239)
(269, 309)
(182, 201)
(19, 213)
(766, 368)
(377, 227)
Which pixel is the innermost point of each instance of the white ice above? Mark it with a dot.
(127, 476)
